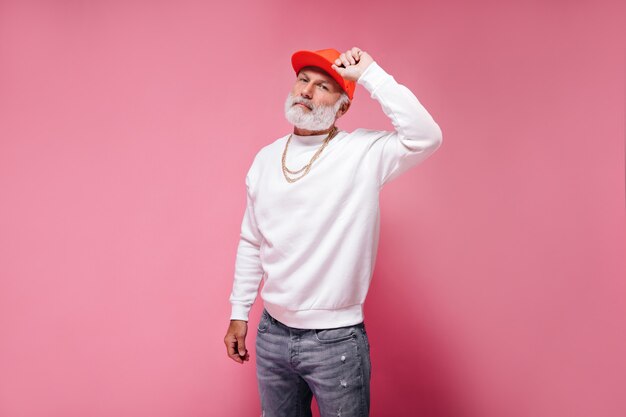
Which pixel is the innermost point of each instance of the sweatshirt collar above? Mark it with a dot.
(312, 139)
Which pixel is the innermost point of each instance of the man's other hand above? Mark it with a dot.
(235, 341)
(352, 63)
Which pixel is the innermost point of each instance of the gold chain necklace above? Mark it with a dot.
(307, 167)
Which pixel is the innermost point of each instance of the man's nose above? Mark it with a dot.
(307, 91)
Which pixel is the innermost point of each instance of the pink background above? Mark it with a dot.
(126, 130)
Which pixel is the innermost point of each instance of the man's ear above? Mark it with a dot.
(344, 108)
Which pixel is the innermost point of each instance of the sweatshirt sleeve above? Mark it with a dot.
(416, 134)
(248, 268)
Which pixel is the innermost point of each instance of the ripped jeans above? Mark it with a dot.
(295, 364)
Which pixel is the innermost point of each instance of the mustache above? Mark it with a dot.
(300, 100)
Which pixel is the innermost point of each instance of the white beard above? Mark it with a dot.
(318, 118)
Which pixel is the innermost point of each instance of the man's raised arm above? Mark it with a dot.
(416, 134)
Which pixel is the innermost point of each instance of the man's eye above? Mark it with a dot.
(323, 87)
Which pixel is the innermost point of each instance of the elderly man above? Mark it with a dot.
(310, 232)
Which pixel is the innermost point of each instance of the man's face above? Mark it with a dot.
(317, 86)
(315, 101)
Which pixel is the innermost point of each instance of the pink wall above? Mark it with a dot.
(126, 130)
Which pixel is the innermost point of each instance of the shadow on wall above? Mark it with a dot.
(411, 369)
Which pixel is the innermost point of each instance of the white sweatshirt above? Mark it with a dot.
(315, 240)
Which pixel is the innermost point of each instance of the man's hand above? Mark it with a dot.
(352, 63)
(235, 341)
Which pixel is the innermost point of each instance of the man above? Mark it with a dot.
(312, 234)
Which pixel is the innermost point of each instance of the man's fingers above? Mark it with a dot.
(350, 57)
(231, 350)
(353, 55)
(344, 60)
(231, 347)
(241, 344)
(338, 69)
(235, 341)
(236, 358)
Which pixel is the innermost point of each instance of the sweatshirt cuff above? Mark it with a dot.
(239, 312)
(373, 77)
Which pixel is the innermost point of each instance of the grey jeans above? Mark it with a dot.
(295, 364)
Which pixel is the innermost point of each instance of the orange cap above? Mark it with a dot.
(324, 58)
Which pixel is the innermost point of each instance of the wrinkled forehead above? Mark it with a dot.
(320, 73)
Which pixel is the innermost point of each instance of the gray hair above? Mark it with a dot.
(343, 99)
